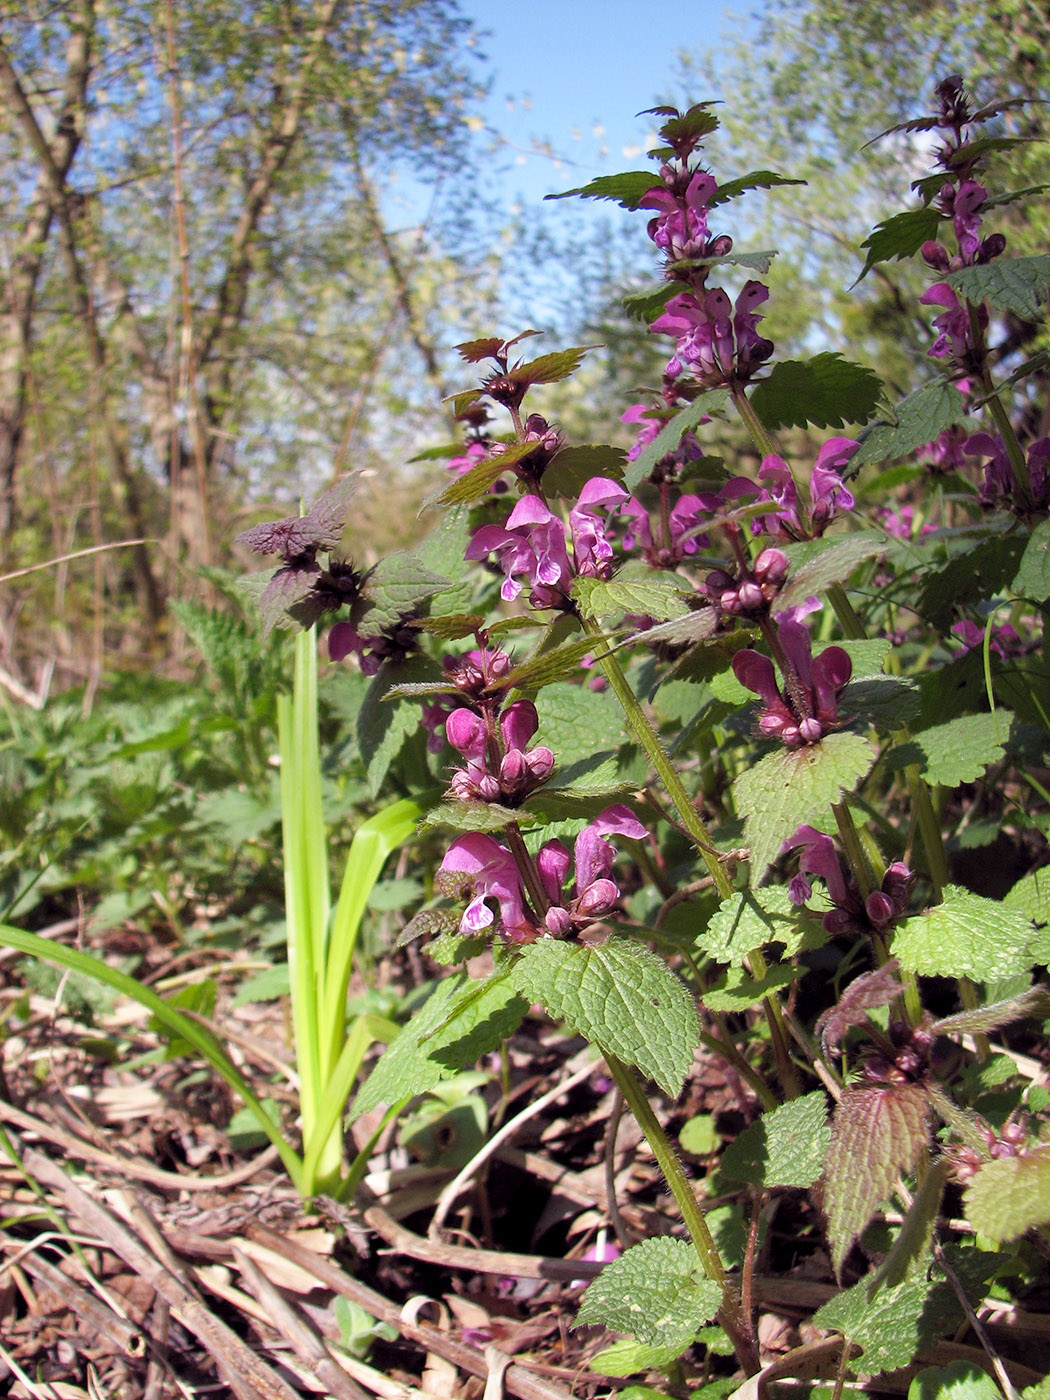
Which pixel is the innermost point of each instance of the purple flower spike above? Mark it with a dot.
(809, 706)
(819, 857)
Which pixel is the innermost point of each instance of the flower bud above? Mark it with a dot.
(598, 898)
(466, 732)
(935, 255)
(771, 566)
(513, 772)
(749, 595)
(558, 921)
(879, 908)
(488, 788)
(540, 763)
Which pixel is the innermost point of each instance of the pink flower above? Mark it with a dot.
(809, 708)
(490, 870)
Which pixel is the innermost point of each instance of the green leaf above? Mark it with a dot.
(1032, 579)
(889, 1327)
(646, 306)
(671, 434)
(598, 598)
(966, 936)
(656, 1291)
(758, 262)
(550, 369)
(981, 572)
(397, 585)
(900, 237)
(457, 1025)
(824, 392)
(1032, 1002)
(474, 484)
(737, 993)
(783, 1148)
(791, 787)
(877, 1132)
(1018, 285)
(910, 1253)
(470, 816)
(1009, 1196)
(621, 997)
(578, 723)
(383, 728)
(628, 1358)
(960, 751)
(549, 666)
(959, 1380)
(833, 563)
(755, 180)
(270, 984)
(573, 467)
(625, 189)
(918, 419)
(750, 919)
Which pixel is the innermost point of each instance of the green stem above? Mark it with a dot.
(1014, 450)
(760, 434)
(665, 769)
(731, 1315)
(850, 839)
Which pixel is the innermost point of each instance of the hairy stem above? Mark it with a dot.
(734, 1321)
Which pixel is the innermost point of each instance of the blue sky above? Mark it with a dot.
(575, 72)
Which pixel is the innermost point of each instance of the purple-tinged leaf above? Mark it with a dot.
(1035, 1002)
(910, 1253)
(877, 1133)
(871, 989)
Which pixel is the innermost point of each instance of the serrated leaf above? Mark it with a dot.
(792, 787)
(452, 627)
(870, 989)
(900, 236)
(981, 572)
(738, 993)
(883, 702)
(626, 189)
(550, 666)
(621, 997)
(889, 1328)
(959, 1380)
(628, 1358)
(919, 419)
(966, 936)
(748, 920)
(646, 306)
(826, 391)
(832, 564)
(383, 729)
(1035, 1002)
(1032, 580)
(474, 484)
(783, 1148)
(397, 585)
(878, 1131)
(601, 598)
(1009, 1196)
(583, 799)
(423, 1055)
(759, 262)
(470, 816)
(550, 369)
(573, 467)
(577, 723)
(755, 180)
(960, 751)
(656, 1291)
(1018, 285)
(910, 1253)
(696, 626)
(671, 434)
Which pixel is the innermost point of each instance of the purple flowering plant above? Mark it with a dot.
(753, 841)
